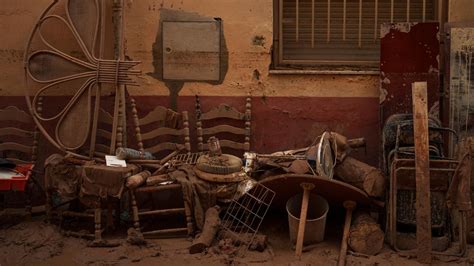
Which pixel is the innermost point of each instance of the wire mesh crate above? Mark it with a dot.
(244, 215)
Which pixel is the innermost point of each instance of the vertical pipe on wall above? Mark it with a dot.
(376, 19)
(391, 11)
(424, 10)
(408, 10)
(297, 20)
(329, 22)
(360, 23)
(312, 23)
(280, 31)
(344, 21)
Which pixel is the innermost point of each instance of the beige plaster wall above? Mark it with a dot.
(242, 20)
(461, 11)
(17, 18)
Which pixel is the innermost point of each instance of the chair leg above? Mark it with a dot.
(110, 219)
(97, 220)
(29, 196)
(189, 219)
(135, 218)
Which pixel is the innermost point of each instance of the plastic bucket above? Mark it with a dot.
(318, 208)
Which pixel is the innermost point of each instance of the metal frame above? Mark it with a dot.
(245, 215)
(447, 166)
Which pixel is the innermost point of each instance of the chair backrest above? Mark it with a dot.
(224, 111)
(161, 130)
(18, 135)
(104, 133)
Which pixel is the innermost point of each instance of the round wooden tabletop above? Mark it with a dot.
(334, 191)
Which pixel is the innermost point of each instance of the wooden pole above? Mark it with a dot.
(307, 187)
(349, 206)
(422, 164)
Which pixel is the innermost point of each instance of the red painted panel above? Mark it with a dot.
(409, 53)
(409, 47)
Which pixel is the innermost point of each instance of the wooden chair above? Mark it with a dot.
(101, 146)
(167, 130)
(19, 142)
(172, 124)
(206, 126)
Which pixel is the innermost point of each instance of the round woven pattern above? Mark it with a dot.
(223, 164)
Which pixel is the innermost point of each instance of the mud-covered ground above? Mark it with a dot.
(35, 242)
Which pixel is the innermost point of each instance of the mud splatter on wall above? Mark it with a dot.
(461, 80)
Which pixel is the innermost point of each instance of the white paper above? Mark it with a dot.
(114, 161)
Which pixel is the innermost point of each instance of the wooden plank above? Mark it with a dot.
(224, 128)
(223, 111)
(162, 131)
(422, 164)
(13, 131)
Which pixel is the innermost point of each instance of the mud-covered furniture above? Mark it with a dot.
(18, 144)
(400, 167)
(160, 132)
(231, 127)
(78, 191)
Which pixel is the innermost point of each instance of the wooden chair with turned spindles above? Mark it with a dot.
(206, 126)
(159, 132)
(19, 139)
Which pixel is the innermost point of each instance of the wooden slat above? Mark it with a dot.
(158, 233)
(158, 114)
(422, 164)
(228, 144)
(161, 132)
(164, 146)
(18, 161)
(151, 189)
(162, 212)
(12, 113)
(224, 129)
(13, 131)
(223, 111)
(104, 134)
(105, 117)
(12, 146)
(102, 149)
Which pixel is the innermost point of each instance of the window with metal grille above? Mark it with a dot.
(343, 33)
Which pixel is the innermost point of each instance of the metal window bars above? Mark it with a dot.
(360, 16)
(245, 214)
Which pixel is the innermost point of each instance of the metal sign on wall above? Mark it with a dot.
(191, 50)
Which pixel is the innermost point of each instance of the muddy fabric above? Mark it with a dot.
(196, 192)
(200, 194)
(62, 177)
(100, 181)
